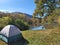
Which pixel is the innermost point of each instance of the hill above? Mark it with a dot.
(15, 13)
(18, 15)
(30, 16)
(41, 37)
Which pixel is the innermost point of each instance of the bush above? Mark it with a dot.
(21, 24)
(5, 21)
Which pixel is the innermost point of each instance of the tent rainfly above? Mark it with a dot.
(10, 33)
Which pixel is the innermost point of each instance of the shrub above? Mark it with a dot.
(21, 24)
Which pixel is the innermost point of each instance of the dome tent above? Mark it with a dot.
(10, 33)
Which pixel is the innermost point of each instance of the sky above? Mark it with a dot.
(25, 6)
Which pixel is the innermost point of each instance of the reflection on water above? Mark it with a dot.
(38, 28)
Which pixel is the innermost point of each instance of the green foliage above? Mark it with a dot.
(54, 16)
(41, 6)
(18, 22)
(16, 19)
(5, 21)
(21, 24)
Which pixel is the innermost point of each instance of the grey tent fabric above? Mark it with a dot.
(10, 33)
(10, 30)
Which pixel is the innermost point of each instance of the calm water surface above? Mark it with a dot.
(38, 28)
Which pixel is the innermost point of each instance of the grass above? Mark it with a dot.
(2, 43)
(41, 37)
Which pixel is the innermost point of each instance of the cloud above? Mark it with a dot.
(10, 9)
(6, 10)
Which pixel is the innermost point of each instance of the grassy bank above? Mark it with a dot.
(44, 37)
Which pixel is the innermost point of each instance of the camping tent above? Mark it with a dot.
(10, 33)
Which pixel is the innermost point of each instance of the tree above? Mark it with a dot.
(44, 8)
(54, 16)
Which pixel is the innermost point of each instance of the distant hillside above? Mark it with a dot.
(18, 15)
(22, 13)
(30, 16)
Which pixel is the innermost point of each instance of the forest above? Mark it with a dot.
(20, 20)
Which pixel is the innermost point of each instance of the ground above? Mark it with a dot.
(41, 37)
